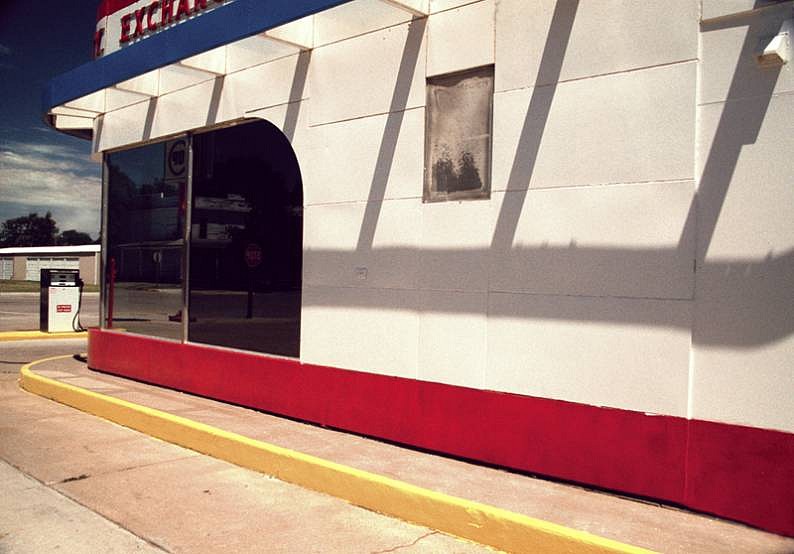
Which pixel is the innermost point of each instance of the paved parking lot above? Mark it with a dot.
(19, 311)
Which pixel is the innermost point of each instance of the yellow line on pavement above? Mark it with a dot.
(488, 525)
(38, 335)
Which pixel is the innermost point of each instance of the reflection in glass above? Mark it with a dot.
(146, 200)
(246, 240)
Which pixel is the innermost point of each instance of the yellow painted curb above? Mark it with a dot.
(37, 335)
(495, 527)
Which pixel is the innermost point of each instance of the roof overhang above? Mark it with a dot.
(73, 100)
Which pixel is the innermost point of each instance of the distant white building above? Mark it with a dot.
(26, 263)
(550, 235)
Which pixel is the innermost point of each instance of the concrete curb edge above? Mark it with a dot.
(488, 525)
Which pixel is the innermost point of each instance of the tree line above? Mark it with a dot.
(36, 230)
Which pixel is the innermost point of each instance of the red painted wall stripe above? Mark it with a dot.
(741, 473)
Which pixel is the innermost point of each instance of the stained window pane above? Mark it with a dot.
(458, 152)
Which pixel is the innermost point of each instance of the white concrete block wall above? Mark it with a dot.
(170, 116)
(363, 184)
(355, 19)
(122, 127)
(453, 330)
(176, 78)
(719, 8)
(333, 256)
(575, 279)
(633, 128)
(631, 241)
(614, 352)
(437, 6)
(756, 218)
(358, 77)
(286, 79)
(450, 50)
(365, 141)
(591, 266)
(372, 330)
(252, 51)
(115, 99)
(455, 238)
(743, 344)
(599, 38)
(623, 128)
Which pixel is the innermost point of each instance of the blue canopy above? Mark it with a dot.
(223, 25)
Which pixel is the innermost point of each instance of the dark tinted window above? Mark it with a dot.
(145, 229)
(246, 240)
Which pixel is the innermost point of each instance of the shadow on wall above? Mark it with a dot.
(388, 145)
(748, 303)
(741, 303)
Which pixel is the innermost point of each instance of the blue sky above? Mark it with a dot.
(41, 169)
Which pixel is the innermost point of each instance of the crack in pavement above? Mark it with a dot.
(77, 478)
(409, 545)
(119, 470)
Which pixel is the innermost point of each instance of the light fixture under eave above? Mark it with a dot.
(776, 51)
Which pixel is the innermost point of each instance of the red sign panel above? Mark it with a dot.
(157, 15)
(63, 308)
(253, 255)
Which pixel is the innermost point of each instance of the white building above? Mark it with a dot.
(26, 263)
(555, 236)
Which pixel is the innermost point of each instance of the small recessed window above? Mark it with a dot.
(458, 135)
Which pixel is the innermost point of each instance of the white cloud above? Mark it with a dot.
(55, 177)
(45, 148)
(38, 162)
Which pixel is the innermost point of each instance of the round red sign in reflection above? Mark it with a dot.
(253, 255)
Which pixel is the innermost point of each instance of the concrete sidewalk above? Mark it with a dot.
(78, 483)
(30, 506)
(142, 497)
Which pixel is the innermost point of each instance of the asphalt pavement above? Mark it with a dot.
(19, 311)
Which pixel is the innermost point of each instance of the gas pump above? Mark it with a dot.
(61, 292)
